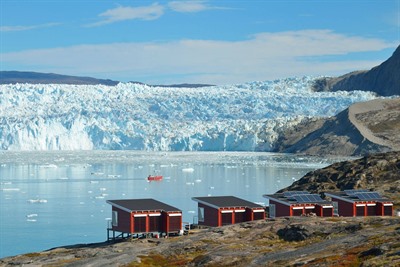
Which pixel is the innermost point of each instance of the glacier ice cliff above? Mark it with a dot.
(244, 117)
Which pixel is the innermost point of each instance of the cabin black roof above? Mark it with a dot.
(297, 197)
(148, 204)
(357, 195)
(225, 202)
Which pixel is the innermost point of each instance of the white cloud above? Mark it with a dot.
(121, 13)
(264, 56)
(188, 6)
(151, 12)
(26, 28)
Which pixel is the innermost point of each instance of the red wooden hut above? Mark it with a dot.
(361, 202)
(144, 216)
(224, 210)
(298, 203)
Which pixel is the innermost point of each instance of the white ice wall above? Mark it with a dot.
(243, 117)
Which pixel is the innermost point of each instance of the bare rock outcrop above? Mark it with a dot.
(363, 128)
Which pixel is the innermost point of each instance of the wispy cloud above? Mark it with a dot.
(189, 6)
(121, 13)
(26, 27)
(263, 56)
(152, 12)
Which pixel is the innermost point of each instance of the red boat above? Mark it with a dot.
(154, 178)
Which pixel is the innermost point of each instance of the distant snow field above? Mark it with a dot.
(244, 117)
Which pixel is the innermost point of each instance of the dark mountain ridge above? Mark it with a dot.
(12, 77)
(383, 79)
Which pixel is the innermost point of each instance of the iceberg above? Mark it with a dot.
(129, 116)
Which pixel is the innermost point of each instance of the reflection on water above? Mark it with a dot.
(50, 199)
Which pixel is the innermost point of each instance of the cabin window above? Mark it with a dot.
(114, 218)
(335, 208)
(201, 214)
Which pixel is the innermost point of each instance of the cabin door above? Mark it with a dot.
(272, 211)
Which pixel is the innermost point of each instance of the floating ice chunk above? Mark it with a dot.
(188, 170)
(48, 166)
(37, 200)
(10, 189)
(103, 189)
(198, 180)
(31, 220)
(31, 215)
(94, 182)
(97, 173)
(113, 176)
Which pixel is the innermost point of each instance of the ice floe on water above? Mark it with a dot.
(10, 189)
(37, 200)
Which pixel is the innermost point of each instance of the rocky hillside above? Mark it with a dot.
(379, 172)
(301, 241)
(363, 128)
(383, 79)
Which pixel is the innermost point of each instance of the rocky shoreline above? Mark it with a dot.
(296, 241)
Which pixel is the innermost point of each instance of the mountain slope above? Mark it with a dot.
(383, 79)
(363, 128)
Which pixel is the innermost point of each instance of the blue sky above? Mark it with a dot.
(217, 42)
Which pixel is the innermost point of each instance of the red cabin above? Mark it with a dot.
(298, 203)
(144, 216)
(361, 202)
(225, 210)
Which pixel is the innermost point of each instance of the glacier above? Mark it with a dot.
(130, 116)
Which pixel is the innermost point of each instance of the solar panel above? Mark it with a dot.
(308, 198)
(367, 195)
(294, 193)
(351, 192)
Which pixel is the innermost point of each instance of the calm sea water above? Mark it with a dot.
(50, 199)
